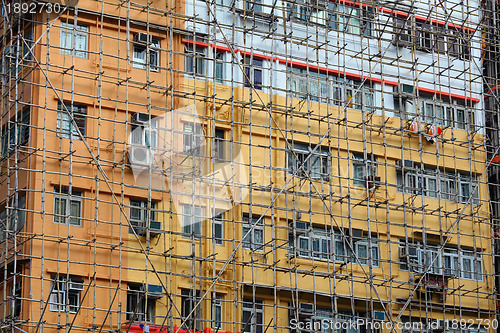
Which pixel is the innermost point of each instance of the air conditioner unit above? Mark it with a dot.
(306, 308)
(357, 233)
(407, 164)
(141, 229)
(154, 228)
(143, 38)
(411, 254)
(140, 118)
(140, 156)
(401, 39)
(405, 90)
(300, 226)
(76, 286)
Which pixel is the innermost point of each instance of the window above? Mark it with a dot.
(140, 307)
(339, 17)
(312, 85)
(305, 164)
(16, 53)
(362, 248)
(428, 37)
(434, 183)
(12, 217)
(252, 320)
(253, 237)
(67, 207)
(320, 87)
(328, 244)
(145, 134)
(193, 138)
(253, 5)
(16, 132)
(253, 72)
(219, 144)
(311, 12)
(313, 318)
(139, 215)
(219, 67)
(189, 300)
(218, 227)
(317, 243)
(445, 113)
(74, 38)
(345, 18)
(16, 294)
(194, 59)
(355, 96)
(65, 127)
(217, 312)
(192, 220)
(451, 262)
(462, 264)
(363, 169)
(65, 296)
(144, 44)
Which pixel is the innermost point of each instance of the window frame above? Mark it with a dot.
(190, 229)
(427, 37)
(450, 262)
(218, 224)
(16, 133)
(144, 308)
(249, 242)
(302, 151)
(360, 164)
(188, 302)
(195, 59)
(448, 186)
(140, 55)
(446, 113)
(62, 294)
(253, 69)
(142, 208)
(145, 134)
(219, 66)
(370, 244)
(192, 139)
(254, 308)
(219, 151)
(217, 312)
(81, 31)
(61, 195)
(79, 113)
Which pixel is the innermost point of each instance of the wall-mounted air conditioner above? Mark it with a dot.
(141, 228)
(140, 118)
(143, 38)
(406, 164)
(140, 156)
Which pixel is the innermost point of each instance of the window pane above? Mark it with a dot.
(75, 212)
(81, 45)
(59, 209)
(362, 253)
(258, 236)
(258, 78)
(467, 268)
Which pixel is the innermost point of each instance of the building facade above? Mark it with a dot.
(242, 166)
